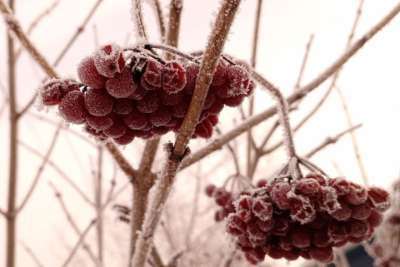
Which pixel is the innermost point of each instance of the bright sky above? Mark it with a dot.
(370, 83)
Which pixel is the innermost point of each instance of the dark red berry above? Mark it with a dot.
(72, 107)
(173, 78)
(98, 103)
(89, 75)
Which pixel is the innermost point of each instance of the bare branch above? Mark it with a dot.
(296, 96)
(98, 184)
(304, 62)
(60, 172)
(78, 243)
(174, 23)
(256, 31)
(40, 170)
(72, 222)
(31, 254)
(122, 162)
(164, 184)
(137, 17)
(2, 212)
(331, 140)
(160, 18)
(233, 154)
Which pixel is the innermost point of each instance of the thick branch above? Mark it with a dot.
(164, 184)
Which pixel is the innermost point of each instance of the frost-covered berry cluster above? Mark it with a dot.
(128, 93)
(305, 217)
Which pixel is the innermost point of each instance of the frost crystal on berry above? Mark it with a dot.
(109, 60)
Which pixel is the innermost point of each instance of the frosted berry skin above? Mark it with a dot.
(72, 107)
(98, 103)
(173, 78)
(308, 217)
(109, 60)
(89, 75)
(130, 93)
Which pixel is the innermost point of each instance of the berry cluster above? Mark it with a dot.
(134, 93)
(305, 218)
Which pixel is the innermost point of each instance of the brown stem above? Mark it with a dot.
(11, 218)
(160, 18)
(98, 204)
(331, 140)
(60, 172)
(140, 188)
(250, 139)
(39, 171)
(164, 184)
(304, 62)
(72, 222)
(175, 10)
(137, 17)
(31, 254)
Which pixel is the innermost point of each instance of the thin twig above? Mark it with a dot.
(39, 170)
(98, 203)
(256, 32)
(31, 254)
(60, 172)
(294, 97)
(2, 212)
(78, 243)
(122, 162)
(137, 17)
(331, 140)
(160, 18)
(47, 11)
(72, 222)
(233, 153)
(164, 184)
(304, 62)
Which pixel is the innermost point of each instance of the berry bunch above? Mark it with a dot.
(305, 218)
(134, 93)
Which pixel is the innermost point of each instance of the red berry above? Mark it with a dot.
(357, 194)
(300, 237)
(358, 229)
(379, 198)
(262, 209)
(173, 78)
(88, 74)
(301, 208)
(329, 201)
(72, 107)
(98, 103)
(279, 192)
(117, 130)
(239, 82)
(192, 71)
(136, 120)
(307, 187)
(337, 231)
(210, 189)
(99, 123)
(53, 90)
(321, 239)
(322, 254)
(152, 75)
(219, 77)
(375, 219)
(122, 85)
(235, 225)
(361, 212)
(126, 138)
(233, 101)
(123, 106)
(343, 213)
(149, 104)
(161, 117)
(139, 94)
(171, 99)
(109, 60)
(216, 107)
(341, 186)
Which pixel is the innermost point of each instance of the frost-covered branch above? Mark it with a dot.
(177, 152)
